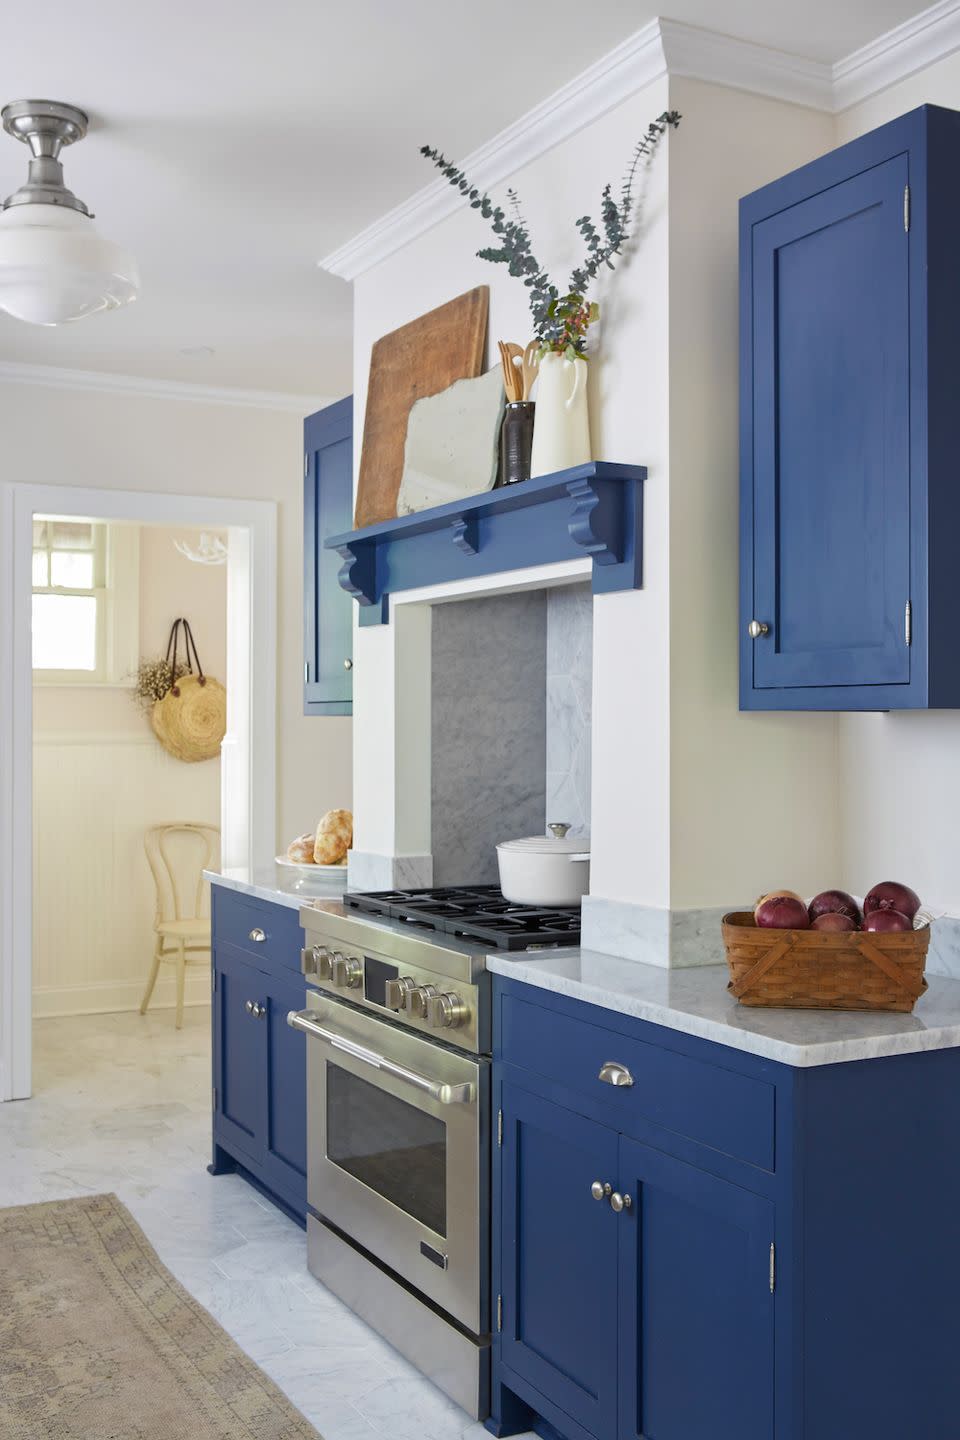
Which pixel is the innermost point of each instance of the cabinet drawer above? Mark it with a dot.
(723, 1109)
(239, 919)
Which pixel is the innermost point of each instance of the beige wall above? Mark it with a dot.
(909, 832)
(132, 442)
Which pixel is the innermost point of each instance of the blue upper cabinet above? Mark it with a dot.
(327, 610)
(850, 311)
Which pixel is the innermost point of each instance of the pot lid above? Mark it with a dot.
(556, 842)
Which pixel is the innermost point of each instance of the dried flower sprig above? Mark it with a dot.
(154, 679)
(560, 322)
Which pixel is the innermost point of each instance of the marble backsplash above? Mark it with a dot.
(569, 704)
(488, 731)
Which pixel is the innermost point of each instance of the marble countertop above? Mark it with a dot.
(696, 1002)
(271, 882)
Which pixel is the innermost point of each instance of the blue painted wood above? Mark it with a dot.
(718, 1107)
(849, 425)
(284, 1169)
(327, 509)
(559, 1262)
(238, 916)
(696, 1314)
(259, 1065)
(862, 1206)
(591, 510)
(240, 1057)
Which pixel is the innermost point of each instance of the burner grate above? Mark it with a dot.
(476, 912)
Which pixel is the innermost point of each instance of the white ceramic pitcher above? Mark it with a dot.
(561, 431)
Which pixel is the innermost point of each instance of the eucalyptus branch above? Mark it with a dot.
(560, 321)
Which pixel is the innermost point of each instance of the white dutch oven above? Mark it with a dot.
(542, 870)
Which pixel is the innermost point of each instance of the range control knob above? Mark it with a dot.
(320, 962)
(346, 970)
(417, 1000)
(396, 992)
(445, 1011)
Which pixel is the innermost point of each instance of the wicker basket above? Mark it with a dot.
(817, 970)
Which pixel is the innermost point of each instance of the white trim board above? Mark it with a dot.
(116, 996)
(663, 47)
(248, 800)
(12, 372)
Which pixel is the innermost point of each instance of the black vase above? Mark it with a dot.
(516, 441)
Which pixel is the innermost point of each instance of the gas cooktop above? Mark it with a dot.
(475, 912)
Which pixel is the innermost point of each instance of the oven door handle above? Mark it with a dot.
(437, 1090)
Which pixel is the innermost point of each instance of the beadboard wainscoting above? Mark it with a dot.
(95, 793)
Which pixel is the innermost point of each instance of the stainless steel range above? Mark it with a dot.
(398, 1113)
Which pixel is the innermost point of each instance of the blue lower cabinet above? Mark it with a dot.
(695, 1303)
(259, 1063)
(559, 1248)
(776, 1258)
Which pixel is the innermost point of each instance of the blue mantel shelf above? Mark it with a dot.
(594, 510)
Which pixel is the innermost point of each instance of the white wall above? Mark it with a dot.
(682, 782)
(900, 773)
(133, 442)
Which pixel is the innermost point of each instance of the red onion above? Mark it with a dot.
(775, 895)
(890, 895)
(782, 911)
(833, 920)
(887, 920)
(835, 902)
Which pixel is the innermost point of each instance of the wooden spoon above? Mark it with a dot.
(513, 383)
(530, 367)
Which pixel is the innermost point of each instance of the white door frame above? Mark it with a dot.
(248, 803)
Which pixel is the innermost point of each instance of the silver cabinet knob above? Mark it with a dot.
(248, 1006)
(257, 935)
(612, 1073)
(600, 1189)
(446, 1010)
(417, 1000)
(756, 628)
(255, 1009)
(346, 970)
(620, 1202)
(396, 992)
(348, 664)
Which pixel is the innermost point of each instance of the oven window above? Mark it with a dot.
(390, 1146)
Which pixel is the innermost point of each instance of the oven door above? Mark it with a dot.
(397, 1139)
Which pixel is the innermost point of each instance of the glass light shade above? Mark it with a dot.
(55, 267)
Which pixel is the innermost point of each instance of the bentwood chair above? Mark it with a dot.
(178, 853)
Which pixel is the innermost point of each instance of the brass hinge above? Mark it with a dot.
(908, 623)
(906, 207)
(773, 1268)
(499, 1129)
(499, 1313)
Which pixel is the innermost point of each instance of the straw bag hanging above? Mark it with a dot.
(191, 719)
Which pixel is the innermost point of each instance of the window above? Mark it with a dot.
(85, 601)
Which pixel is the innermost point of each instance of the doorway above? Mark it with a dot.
(248, 758)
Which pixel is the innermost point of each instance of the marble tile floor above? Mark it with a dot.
(122, 1104)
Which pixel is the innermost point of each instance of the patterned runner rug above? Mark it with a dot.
(98, 1341)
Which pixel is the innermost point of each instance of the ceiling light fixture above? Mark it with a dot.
(54, 266)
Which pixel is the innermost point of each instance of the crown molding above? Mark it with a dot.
(633, 65)
(697, 54)
(901, 52)
(663, 47)
(52, 376)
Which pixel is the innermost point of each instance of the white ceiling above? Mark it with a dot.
(233, 142)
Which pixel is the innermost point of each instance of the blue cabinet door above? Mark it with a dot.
(696, 1304)
(239, 1056)
(327, 608)
(285, 1081)
(558, 1258)
(831, 437)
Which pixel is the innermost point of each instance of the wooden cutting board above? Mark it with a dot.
(419, 359)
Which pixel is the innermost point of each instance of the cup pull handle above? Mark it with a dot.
(612, 1073)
